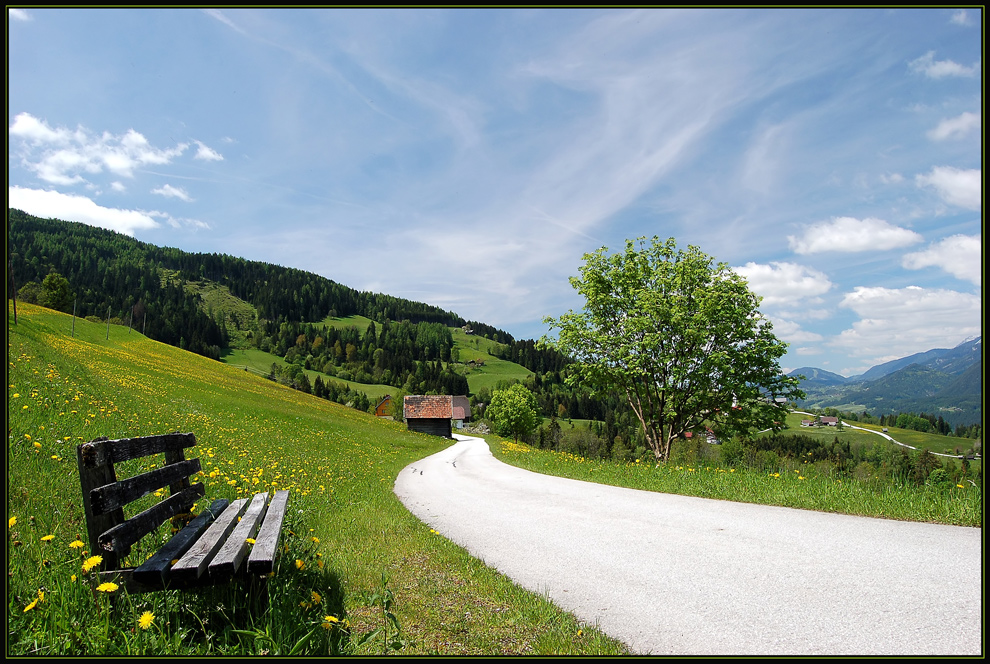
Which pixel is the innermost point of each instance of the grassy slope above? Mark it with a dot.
(340, 465)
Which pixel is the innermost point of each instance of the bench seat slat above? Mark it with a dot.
(228, 560)
(111, 496)
(120, 538)
(156, 569)
(192, 565)
(262, 557)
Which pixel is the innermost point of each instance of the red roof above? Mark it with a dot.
(430, 406)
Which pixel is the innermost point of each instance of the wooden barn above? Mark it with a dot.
(433, 413)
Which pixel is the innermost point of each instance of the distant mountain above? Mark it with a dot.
(951, 361)
(946, 382)
(818, 377)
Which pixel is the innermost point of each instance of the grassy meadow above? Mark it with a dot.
(355, 556)
(360, 574)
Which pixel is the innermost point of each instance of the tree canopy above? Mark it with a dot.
(513, 411)
(681, 336)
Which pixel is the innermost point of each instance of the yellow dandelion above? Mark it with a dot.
(316, 540)
(47, 538)
(107, 587)
(73, 578)
(31, 606)
(76, 544)
(11, 522)
(144, 622)
(92, 562)
(961, 486)
(330, 621)
(250, 540)
(315, 597)
(300, 564)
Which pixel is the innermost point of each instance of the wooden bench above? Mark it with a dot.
(210, 549)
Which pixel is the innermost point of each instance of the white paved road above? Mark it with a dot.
(675, 575)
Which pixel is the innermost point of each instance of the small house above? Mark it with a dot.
(830, 421)
(381, 410)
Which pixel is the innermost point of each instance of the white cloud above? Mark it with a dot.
(955, 186)
(784, 283)
(52, 204)
(961, 18)
(932, 68)
(61, 156)
(957, 127)
(792, 333)
(899, 322)
(18, 14)
(118, 186)
(207, 153)
(173, 192)
(848, 234)
(959, 255)
(893, 178)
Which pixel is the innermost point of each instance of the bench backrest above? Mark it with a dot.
(105, 496)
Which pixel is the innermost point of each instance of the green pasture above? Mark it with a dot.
(354, 553)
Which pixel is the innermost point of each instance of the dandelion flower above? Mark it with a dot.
(330, 621)
(11, 522)
(76, 544)
(73, 578)
(31, 606)
(144, 622)
(961, 486)
(92, 562)
(107, 587)
(300, 564)
(47, 538)
(315, 597)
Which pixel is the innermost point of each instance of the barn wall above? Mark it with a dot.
(432, 426)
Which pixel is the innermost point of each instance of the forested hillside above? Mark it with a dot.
(111, 271)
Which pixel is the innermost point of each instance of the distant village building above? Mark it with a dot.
(381, 410)
(433, 414)
(830, 421)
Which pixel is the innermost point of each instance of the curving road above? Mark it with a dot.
(676, 575)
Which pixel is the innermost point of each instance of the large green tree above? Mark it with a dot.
(681, 336)
(513, 411)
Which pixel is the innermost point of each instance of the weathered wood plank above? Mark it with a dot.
(123, 449)
(119, 539)
(122, 492)
(155, 570)
(262, 557)
(228, 560)
(91, 476)
(195, 561)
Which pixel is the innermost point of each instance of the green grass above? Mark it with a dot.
(346, 526)
(360, 322)
(795, 484)
(259, 362)
(916, 439)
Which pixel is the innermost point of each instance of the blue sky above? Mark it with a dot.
(470, 158)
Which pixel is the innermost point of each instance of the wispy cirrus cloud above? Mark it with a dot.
(848, 234)
(956, 186)
(959, 255)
